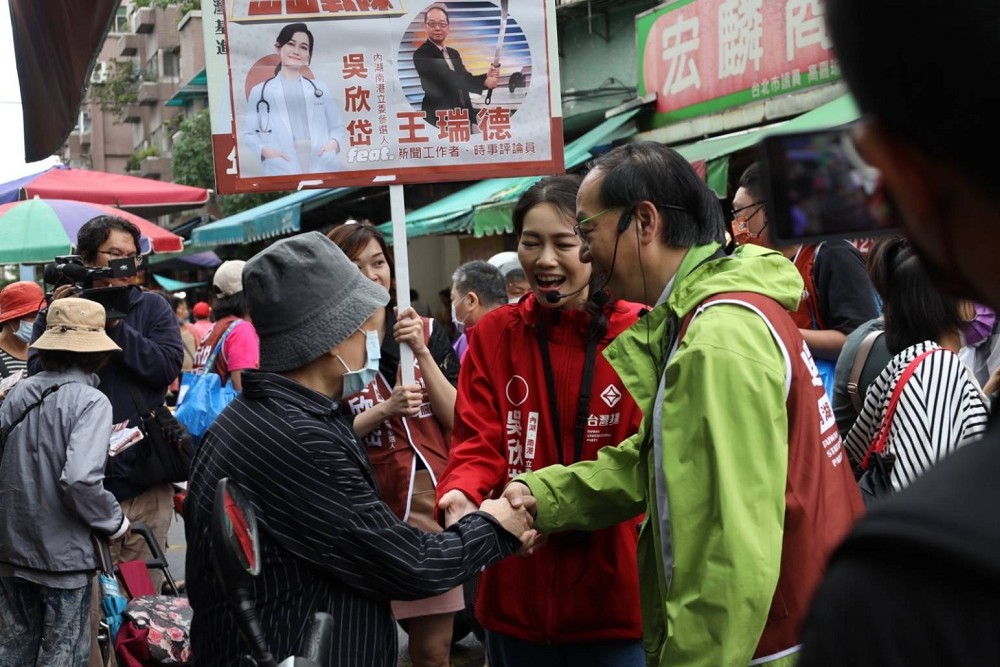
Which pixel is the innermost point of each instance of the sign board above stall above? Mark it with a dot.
(705, 56)
(332, 93)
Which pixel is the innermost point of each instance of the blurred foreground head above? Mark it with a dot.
(915, 70)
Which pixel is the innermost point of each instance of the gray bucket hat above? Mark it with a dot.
(304, 297)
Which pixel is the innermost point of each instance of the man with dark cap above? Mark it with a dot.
(327, 540)
(918, 581)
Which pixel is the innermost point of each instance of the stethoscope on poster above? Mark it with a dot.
(264, 122)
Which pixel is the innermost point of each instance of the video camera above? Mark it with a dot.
(70, 270)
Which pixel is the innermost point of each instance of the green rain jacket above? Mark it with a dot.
(708, 561)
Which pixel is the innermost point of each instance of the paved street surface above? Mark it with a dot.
(467, 653)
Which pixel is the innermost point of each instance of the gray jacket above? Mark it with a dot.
(52, 491)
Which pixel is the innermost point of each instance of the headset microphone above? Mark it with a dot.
(599, 296)
(556, 297)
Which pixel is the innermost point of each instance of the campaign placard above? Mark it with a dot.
(328, 93)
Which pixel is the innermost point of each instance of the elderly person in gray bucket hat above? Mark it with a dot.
(328, 541)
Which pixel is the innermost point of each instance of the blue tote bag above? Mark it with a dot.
(202, 395)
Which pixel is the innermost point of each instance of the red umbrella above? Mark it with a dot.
(138, 195)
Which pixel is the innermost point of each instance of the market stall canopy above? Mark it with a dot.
(173, 285)
(55, 45)
(142, 196)
(191, 256)
(711, 156)
(38, 230)
(275, 218)
(460, 211)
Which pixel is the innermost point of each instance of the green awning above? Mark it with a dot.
(459, 211)
(275, 218)
(715, 152)
(195, 88)
(494, 216)
(840, 111)
(171, 285)
(450, 214)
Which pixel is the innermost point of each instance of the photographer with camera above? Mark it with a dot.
(151, 358)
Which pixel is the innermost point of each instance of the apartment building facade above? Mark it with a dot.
(127, 122)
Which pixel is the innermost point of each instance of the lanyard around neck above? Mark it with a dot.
(583, 405)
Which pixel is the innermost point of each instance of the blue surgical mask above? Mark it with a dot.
(356, 381)
(24, 330)
(459, 324)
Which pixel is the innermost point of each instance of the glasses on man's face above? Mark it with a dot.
(436, 24)
(118, 254)
(622, 223)
(579, 226)
(738, 213)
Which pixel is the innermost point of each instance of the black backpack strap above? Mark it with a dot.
(6, 430)
(3, 368)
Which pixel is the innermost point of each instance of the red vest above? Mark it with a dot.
(393, 445)
(822, 500)
(808, 316)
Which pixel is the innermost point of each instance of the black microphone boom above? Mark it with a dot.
(556, 297)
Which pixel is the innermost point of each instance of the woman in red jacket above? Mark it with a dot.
(534, 390)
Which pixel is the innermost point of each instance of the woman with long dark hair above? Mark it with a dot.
(535, 391)
(940, 406)
(405, 428)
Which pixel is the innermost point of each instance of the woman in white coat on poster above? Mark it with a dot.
(292, 124)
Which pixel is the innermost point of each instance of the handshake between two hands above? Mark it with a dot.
(514, 510)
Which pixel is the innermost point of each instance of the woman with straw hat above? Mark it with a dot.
(55, 429)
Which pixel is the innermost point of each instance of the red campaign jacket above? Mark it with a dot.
(578, 587)
(393, 446)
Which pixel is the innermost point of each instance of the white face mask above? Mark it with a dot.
(356, 381)
(459, 323)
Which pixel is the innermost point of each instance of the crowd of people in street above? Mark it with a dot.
(638, 440)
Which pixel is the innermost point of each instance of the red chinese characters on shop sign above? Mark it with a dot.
(708, 55)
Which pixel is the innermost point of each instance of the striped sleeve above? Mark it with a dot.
(348, 530)
(940, 409)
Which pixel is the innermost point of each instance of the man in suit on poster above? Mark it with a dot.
(443, 76)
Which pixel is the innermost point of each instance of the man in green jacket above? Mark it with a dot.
(738, 464)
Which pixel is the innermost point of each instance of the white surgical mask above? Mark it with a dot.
(356, 381)
(459, 323)
(24, 330)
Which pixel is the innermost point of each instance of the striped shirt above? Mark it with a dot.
(11, 363)
(327, 540)
(940, 409)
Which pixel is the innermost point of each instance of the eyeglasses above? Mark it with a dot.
(578, 227)
(118, 254)
(584, 233)
(436, 24)
(737, 212)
